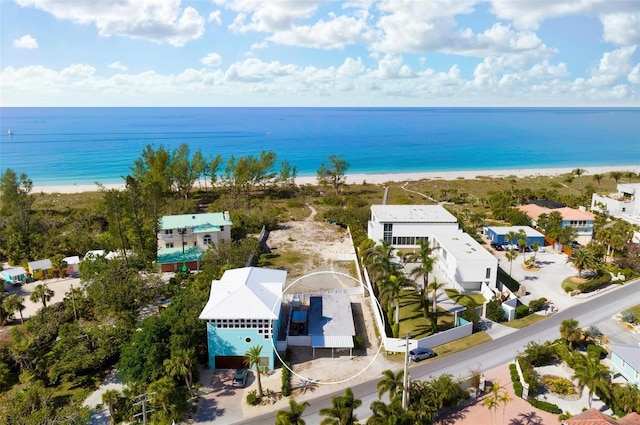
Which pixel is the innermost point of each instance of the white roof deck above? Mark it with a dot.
(462, 246)
(412, 214)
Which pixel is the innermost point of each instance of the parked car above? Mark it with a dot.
(240, 378)
(418, 354)
(496, 246)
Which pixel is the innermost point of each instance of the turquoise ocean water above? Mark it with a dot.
(86, 145)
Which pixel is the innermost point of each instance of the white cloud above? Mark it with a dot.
(333, 34)
(25, 42)
(163, 22)
(215, 17)
(391, 66)
(117, 65)
(212, 60)
(613, 66)
(622, 28)
(634, 75)
(78, 70)
(271, 16)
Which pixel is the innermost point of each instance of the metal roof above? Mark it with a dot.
(331, 341)
(174, 255)
(206, 222)
(629, 353)
(246, 293)
(71, 260)
(330, 315)
(503, 230)
(412, 214)
(40, 264)
(14, 271)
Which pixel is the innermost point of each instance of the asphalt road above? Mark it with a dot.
(485, 356)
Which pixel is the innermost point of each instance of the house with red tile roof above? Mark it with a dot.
(595, 417)
(581, 220)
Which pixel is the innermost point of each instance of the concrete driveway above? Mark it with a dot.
(59, 287)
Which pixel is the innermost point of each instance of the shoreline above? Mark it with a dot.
(382, 178)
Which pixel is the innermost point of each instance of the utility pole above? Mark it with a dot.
(73, 300)
(144, 399)
(405, 377)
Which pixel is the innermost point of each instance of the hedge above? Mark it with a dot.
(594, 284)
(522, 311)
(545, 405)
(518, 389)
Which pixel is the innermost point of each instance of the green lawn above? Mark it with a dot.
(412, 318)
(569, 284)
(635, 310)
(467, 300)
(525, 321)
(461, 344)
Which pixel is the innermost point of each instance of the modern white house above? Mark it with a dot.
(243, 311)
(624, 204)
(465, 263)
(405, 225)
(184, 238)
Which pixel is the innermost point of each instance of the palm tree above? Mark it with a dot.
(567, 234)
(293, 416)
(434, 287)
(598, 178)
(378, 261)
(582, 259)
(252, 360)
(522, 242)
(511, 236)
(392, 383)
(181, 364)
(616, 175)
(627, 397)
(391, 414)
(14, 302)
(497, 395)
(510, 256)
(570, 332)
(163, 391)
(341, 410)
(426, 260)
(110, 398)
(590, 373)
(391, 290)
(578, 172)
(535, 247)
(41, 293)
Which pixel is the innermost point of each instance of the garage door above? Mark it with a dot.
(229, 362)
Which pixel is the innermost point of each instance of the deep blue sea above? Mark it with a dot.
(86, 145)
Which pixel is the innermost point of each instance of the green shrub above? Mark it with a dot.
(558, 385)
(537, 305)
(518, 389)
(286, 374)
(595, 283)
(395, 330)
(513, 371)
(596, 351)
(540, 354)
(629, 317)
(495, 311)
(358, 342)
(522, 311)
(546, 406)
(252, 398)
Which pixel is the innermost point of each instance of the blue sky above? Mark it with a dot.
(320, 53)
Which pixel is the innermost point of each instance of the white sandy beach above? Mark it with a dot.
(391, 177)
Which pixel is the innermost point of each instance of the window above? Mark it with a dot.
(207, 239)
(488, 273)
(222, 228)
(184, 244)
(168, 232)
(247, 340)
(388, 232)
(169, 245)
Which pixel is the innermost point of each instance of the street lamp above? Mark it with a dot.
(184, 268)
(405, 377)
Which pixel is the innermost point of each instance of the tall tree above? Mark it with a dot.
(570, 331)
(115, 204)
(510, 256)
(253, 360)
(41, 293)
(288, 174)
(590, 373)
(110, 398)
(582, 259)
(434, 287)
(333, 174)
(391, 289)
(426, 260)
(14, 302)
(185, 170)
(162, 393)
(293, 416)
(342, 409)
(512, 237)
(497, 396)
(392, 383)
(616, 175)
(598, 178)
(16, 205)
(181, 365)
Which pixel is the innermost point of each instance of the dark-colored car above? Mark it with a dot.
(418, 354)
(240, 378)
